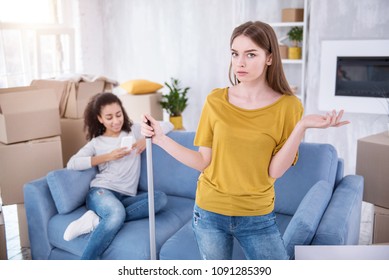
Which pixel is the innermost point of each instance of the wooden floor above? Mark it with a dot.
(14, 250)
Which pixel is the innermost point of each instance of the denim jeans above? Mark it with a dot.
(258, 236)
(114, 209)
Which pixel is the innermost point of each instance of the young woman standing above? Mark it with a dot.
(248, 136)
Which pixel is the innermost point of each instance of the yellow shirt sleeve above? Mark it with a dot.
(294, 117)
(204, 135)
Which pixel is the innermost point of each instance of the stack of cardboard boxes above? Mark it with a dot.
(30, 144)
(373, 165)
(72, 98)
(41, 126)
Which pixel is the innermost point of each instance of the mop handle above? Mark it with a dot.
(150, 189)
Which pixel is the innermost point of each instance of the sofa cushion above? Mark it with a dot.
(171, 176)
(316, 162)
(141, 86)
(132, 241)
(304, 223)
(183, 246)
(340, 224)
(282, 221)
(69, 188)
(300, 229)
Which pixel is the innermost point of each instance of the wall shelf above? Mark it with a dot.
(287, 24)
(292, 61)
(295, 68)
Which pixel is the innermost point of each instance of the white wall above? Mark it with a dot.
(189, 40)
(89, 36)
(156, 40)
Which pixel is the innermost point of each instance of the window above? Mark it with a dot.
(36, 40)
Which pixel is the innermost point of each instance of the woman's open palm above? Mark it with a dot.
(332, 119)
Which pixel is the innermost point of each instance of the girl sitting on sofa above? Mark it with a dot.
(112, 198)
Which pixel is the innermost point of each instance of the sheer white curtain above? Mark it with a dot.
(36, 40)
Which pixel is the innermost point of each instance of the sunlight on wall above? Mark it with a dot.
(27, 11)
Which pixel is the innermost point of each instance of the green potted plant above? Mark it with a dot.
(295, 36)
(175, 102)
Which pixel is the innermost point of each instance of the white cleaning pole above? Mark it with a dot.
(150, 189)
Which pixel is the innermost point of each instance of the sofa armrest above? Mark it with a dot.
(340, 224)
(303, 225)
(40, 208)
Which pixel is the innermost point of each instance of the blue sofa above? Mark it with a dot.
(315, 204)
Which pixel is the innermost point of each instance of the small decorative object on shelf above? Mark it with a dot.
(283, 51)
(292, 15)
(295, 36)
(175, 102)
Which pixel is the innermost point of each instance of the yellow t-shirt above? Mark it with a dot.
(237, 182)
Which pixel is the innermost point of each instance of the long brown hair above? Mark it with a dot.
(92, 126)
(264, 37)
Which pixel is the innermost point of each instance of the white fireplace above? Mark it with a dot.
(354, 76)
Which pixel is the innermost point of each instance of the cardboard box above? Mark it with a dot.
(381, 225)
(3, 240)
(79, 96)
(28, 113)
(26, 161)
(72, 97)
(283, 51)
(73, 137)
(59, 87)
(372, 164)
(137, 105)
(292, 15)
(23, 228)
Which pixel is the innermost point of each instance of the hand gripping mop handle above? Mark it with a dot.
(150, 189)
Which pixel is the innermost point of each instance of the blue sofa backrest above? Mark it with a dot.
(171, 176)
(316, 162)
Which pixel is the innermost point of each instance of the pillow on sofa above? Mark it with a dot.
(304, 223)
(316, 162)
(140, 86)
(69, 188)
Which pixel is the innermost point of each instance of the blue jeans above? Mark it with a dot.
(258, 236)
(114, 209)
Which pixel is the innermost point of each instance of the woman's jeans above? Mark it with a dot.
(258, 236)
(114, 209)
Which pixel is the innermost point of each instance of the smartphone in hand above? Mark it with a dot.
(127, 142)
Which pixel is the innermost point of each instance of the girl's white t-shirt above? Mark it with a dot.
(120, 175)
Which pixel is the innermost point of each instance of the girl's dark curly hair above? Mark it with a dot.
(92, 126)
